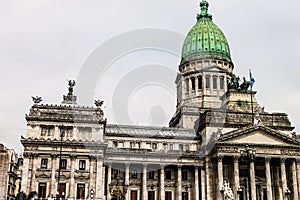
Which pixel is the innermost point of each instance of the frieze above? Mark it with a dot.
(228, 150)
(268, 151)
(290, 152)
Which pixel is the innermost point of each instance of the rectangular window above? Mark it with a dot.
(207, 80)
(42, 190)
(168, 174)
(80, 191)
(44, 163)
(63, 164)
(62, 190)
(82, 164)
(200, 82)
(66, 132)
(222, 82)
(171, 147)
(151, 175)
(168, 195)
(184, 175)
(165, 146)
(154, 146)
(193, 83)
(185, 196)
(47, 131)
(134, 174)
(180, 147)
(215, 84)
(151, 195)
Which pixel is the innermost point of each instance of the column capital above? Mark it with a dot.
(54, 156)
(282, 160)
(27, 155)
(236, 158)
(73, 157)
(298, 160)
(220, 158)
(268, 159)
(127, 164)
(35, 155)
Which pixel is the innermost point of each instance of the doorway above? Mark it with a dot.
(133, 195)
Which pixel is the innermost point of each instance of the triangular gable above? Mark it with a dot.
(258, 135)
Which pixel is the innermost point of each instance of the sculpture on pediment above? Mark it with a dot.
(37, 99)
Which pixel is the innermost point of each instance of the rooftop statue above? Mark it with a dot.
(245, 85)
(37, 99)
(72, 83)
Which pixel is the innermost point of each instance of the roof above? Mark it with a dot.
(149, 131)
(205, 39)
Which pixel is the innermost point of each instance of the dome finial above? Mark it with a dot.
(204, 10)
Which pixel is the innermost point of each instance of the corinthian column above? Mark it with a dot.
(127, 178)
(294, 176)
(236, 176)
(25, 174)
(283, 177)
(203, 181)
(196, 183)
(162, 182)
(72, 180)
(99, 193)
(252, 180)
(34, 166)
(220, 176)
(268, 178)
(298, 174)
(144, 182)
(108, 180)
(179, 183)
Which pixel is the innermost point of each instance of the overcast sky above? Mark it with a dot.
(43, 43)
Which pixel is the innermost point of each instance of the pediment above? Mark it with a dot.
(259, 135)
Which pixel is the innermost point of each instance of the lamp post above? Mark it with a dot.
(248, 155)
(62, 134)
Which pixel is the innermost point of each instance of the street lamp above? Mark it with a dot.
(248, 155)
(62, 134)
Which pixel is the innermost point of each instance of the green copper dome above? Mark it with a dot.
(205, 39)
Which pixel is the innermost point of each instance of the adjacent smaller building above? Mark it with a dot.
(8, 173)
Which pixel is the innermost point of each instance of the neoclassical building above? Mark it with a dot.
(220, 143)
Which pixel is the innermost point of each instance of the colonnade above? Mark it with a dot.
(194, 193)
(293, 192)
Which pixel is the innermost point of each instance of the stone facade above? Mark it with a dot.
(220, 143)
(8, 173)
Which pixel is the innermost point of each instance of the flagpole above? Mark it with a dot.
(252, 109)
